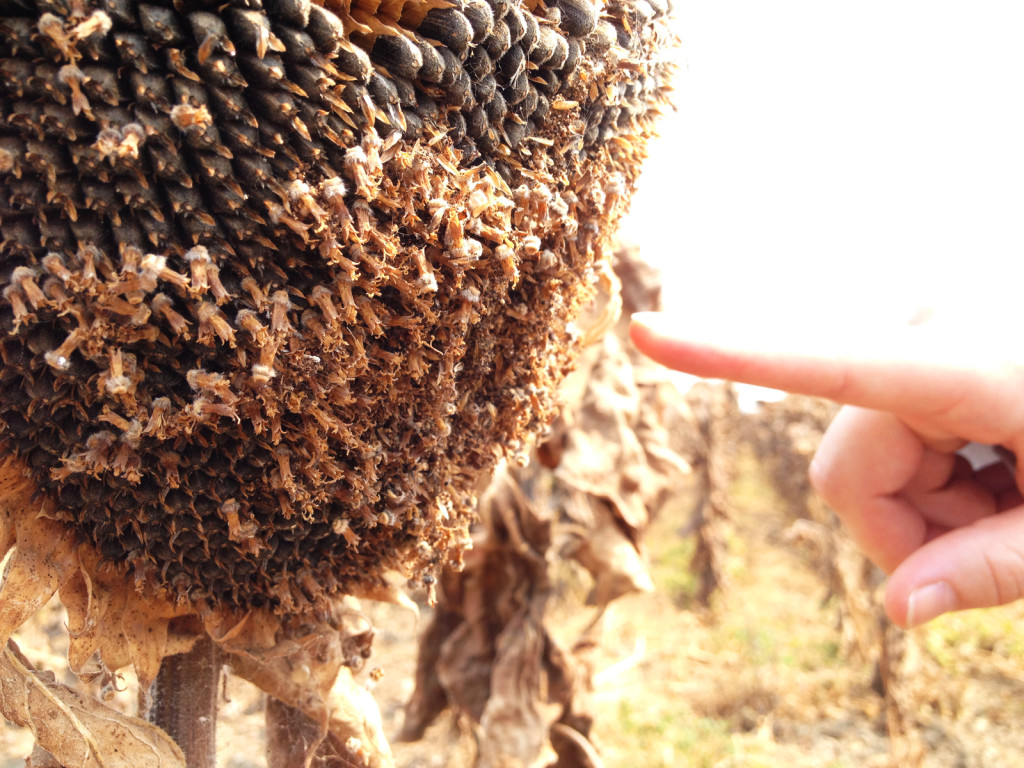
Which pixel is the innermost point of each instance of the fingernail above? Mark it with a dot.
(929, 601)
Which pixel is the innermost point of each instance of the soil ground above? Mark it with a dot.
(760, 679)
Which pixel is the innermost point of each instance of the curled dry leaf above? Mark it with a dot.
(40, 758)
(76, 729)
(44, 557)
(487, 650)
(573, 749)
(308, 673)
(512, 722)
(612, 560)
(111, 625)
(612, 448)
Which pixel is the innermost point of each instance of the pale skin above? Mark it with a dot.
(951, 538)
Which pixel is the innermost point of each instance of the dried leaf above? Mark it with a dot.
(147, 639)
(307, 674)
(614, 563)
(353, 710)
(390, 589)
(429, 698)
(78, 730)
(40, 758)
(16, 492)
(573, 748)
(43, 559)
(514, 732)
(93, 625)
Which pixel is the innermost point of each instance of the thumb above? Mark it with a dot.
(978, 566)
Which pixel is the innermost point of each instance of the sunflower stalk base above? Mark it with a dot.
(183, 701)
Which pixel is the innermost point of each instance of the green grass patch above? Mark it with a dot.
(671, 569)
(999, 631)
(671, 736)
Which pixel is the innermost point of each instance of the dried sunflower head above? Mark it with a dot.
(281, 280)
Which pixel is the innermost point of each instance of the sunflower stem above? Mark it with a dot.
(184, 701)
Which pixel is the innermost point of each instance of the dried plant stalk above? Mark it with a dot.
(713, 446)
(184, 700)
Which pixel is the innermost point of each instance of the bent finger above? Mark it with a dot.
(864, 461)
(936, 470)
(958, 504)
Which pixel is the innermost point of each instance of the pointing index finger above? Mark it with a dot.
(935, 376)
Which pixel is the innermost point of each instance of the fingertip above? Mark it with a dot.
(910, 606)
(646, 318)
(645, 326)
(656, 335)
(638, 323)
(639, 332)
(927, 602)
(895, 606)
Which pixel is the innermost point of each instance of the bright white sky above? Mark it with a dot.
(849, 157)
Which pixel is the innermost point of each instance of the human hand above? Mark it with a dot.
(950, 537)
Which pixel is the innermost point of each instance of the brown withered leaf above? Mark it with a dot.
(88, 606)
(147, 641)
(611, 559)
(306, 673)
(43, 559)
(40, 758)
(44, 556)
(78, 730)
(573, 748)
(111, 624)
(430, 697)
(514, 730)
(487, 651)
